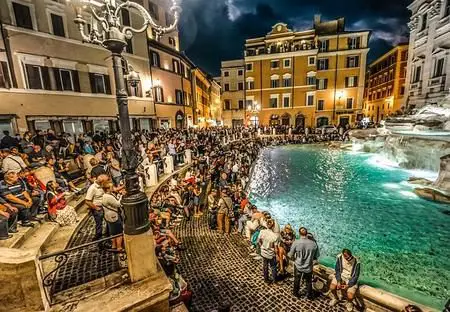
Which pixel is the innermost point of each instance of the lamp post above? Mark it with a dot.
(109, 33)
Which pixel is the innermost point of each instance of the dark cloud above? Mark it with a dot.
(215, 30)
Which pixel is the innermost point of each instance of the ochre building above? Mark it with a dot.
(306, 78)
(385, 84)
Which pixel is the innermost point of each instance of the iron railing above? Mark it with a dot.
(57, 280)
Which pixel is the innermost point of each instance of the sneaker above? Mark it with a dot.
(257, 258)
(5, 238)
(253, 254)
(333, 302)
(27, 224)
(349, 306)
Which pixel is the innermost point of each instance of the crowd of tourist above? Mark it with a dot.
(215, 184)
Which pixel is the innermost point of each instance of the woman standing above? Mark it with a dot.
(113, 218)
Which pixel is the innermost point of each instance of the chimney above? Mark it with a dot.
(316, 19)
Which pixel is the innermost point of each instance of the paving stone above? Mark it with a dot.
(218, 268)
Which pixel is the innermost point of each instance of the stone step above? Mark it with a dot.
(179, 308)
(40, 237)
(19, 238)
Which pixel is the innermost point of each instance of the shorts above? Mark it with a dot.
(351, 290)
(115, 228)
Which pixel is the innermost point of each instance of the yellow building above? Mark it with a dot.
(385, 84)
(232, 80)
(307, 78)
(201, 83)
(49, 79)
(216, 104)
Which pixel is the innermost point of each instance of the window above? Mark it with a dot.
(4, 75)
(172, 42)
(159, 94)
(57, 25)
(322, 64)
(226, 74)
(274, 64)
(389, 91)
(37, 77)
(240, 72)
(135, 89)
(439, 67)
(323, 45)
(287, 63)
(240, 86)
(424, 22)
(320, 105)
(311, 60)
(249, 66)
(155, 59)
(404, 56)
(227, 104)
(100, 83)
(274, 101)
(22, 15)
(354, 43)
(126, 21)
(349, 103)
(274, 82)
(286, 100)
(241, 104)
(250, 84)
(351, 82)
(227, 87)
(178, 97)
(153, 10)
(417, 74)
(176, 66)
(66, 80)
(402, 90)
(352, 61)
(322, 84)
(309, 99)
(129, 46)
(310, 80)
(287, 81)
(447, 8)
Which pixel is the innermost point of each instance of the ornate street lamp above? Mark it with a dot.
(113, 36)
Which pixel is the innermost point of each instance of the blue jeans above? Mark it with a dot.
(273, 265)
(241, 223)
(98, 218)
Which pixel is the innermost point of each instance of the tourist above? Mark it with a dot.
(36, 158)
(197, 193)
(113, 168)
(15, 193)
(268, 242)
(287, 238)
(58, 209)
(8, 220)
(112, 214)
(346, 277)
(12, 161)
(8, 141)
(254, 222)
(94, 201)
(304, 252)
(212, 209)
(224, 213)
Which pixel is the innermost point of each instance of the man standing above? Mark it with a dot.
(346, 278)
(224, 213)
(304, 251)
(212, 207)
(268, 240)
(94, 199)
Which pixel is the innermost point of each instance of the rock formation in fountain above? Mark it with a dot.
(428, 118)
(438, 190)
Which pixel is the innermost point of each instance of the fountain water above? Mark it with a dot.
(417, 141)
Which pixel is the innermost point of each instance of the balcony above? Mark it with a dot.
(437, 84)
(416, 85)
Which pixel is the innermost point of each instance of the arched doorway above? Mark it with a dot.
(300, 121)
(179, 120)
(286, 119)
(274, 120)
(322, 121)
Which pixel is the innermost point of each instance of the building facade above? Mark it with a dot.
(201, 84)
(216, 103)
(384, 94)
(49, 79)
(428, 79)
(232, 80)
(308, 78)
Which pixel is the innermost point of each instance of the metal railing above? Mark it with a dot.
(63, 258)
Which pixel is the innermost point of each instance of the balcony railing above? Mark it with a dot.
(437, 81)
(280, 49)
(416, 85)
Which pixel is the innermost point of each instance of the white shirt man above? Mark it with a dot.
(13, 163)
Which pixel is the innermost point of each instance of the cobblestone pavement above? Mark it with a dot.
(218, 268)
(86, 264)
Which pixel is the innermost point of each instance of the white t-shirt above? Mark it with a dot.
(95, 194)
(269, 240)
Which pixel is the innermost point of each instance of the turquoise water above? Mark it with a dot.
(350, 200)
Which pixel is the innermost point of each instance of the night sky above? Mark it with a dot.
(215, 30)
